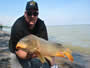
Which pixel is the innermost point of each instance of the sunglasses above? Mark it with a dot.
(32, 13)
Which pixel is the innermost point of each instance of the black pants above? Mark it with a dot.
(33, 63)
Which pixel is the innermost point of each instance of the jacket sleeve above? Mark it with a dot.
(43, 31)
(15, 36)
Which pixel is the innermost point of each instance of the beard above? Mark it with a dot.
(32, 23)
(31, 19)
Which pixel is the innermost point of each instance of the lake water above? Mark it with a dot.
(76, 35)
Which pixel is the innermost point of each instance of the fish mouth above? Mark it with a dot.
(19, 45)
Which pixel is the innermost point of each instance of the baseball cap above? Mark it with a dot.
(31, 5)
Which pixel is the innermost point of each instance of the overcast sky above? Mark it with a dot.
(53, 12)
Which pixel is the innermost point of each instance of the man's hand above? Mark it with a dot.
(21, 54)
(24, 55)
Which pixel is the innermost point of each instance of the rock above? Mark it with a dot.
(4, 51)
(14, 61)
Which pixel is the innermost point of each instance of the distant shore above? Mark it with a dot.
(81, 60)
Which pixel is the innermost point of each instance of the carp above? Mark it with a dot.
(43, 48)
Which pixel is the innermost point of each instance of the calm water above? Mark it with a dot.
(76, 35)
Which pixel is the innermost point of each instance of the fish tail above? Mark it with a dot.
(67, 53)
(69, 56)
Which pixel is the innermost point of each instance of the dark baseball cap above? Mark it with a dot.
(31, 5)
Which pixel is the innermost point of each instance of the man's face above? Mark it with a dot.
(31, 17)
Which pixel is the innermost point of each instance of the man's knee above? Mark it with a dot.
(35, 63)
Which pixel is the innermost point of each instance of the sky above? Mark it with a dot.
(53, 12)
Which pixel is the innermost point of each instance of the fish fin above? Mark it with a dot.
(49, 59)
(42, 59)
(68, 50)
(69, 56)
(60, 54)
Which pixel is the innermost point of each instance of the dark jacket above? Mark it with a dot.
(21, 29)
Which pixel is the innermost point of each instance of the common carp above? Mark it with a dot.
(43, 48)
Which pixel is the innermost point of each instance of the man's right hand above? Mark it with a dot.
(21, 54)
(24, 55)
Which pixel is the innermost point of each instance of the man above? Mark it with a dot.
(25, 25)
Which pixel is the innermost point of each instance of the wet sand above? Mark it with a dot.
(81, 60)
